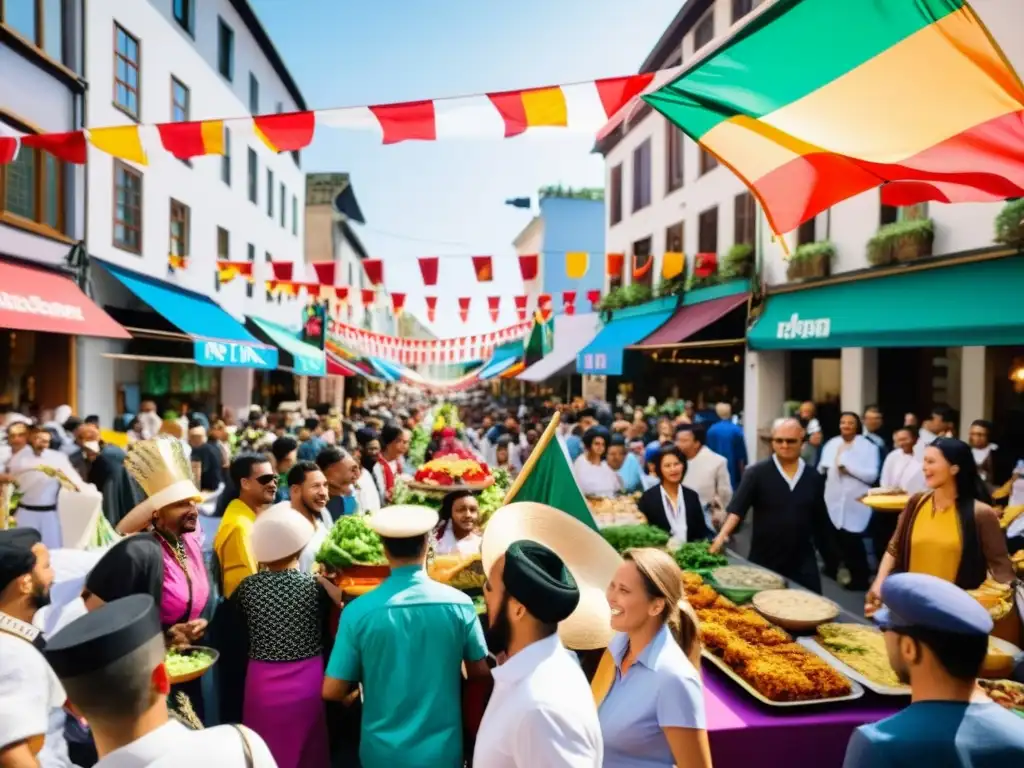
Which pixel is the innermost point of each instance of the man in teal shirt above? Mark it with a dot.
(405, 642)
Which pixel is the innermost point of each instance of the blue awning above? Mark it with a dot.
(504, 357)
(603, 356)
(307, 360)
(219, 341)
(387, 370)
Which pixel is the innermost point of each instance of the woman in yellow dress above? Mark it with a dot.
(949, 532)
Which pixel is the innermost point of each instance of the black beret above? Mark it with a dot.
(16, 555)
(537, 578)
(103, 636)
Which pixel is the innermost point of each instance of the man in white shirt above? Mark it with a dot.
(111, 662)
(901, 468)
(31, 698)
(541, 712)
(707, 473)
(941, 424)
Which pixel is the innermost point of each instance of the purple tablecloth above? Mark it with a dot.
(744, 733)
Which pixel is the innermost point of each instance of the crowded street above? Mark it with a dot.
(431, 386)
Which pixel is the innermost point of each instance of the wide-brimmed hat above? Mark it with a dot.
(403, 521)
(280, 532)
(163, 471)
(588, 557)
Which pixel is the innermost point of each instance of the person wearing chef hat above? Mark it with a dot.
(405, 644)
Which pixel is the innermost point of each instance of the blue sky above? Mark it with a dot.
(447, 197)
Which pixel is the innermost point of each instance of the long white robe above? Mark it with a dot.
(860, 458)
(41, 490)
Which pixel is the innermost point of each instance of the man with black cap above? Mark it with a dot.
(111, 662)
(542, 711)
(31, 698)
(937, 637)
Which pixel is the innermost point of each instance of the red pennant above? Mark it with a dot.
(528, 266)
(70, 147)
(374, 271)
(521, 307)
(484, 269)
(431, 307)
(282, 270)
(341, 291)
(569, 302)
(617, 92)
(325, 273)
(397, 303)
(428, 269)
(705, 264)
(411, 121)
(494, 307)
(464, 307)
(594, 297)
(288, 132)
(544, 302)
(368, 295)
(8, 149)
(613, 263)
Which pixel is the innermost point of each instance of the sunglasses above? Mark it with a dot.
(266, 479)
(785, 440)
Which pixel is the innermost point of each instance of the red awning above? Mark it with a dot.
(337, 367)
(688, 320)
(34, 299)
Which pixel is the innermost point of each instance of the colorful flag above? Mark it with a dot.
(8, 148)
(705, 264)
(576, 264)
(594, 297)
(192, 139)
(569, 302)
(903, 92)
(341, 292)
(282, 269)
(431, 302)
(412, 121)
(640, 271)
(672, 265)
(175, 263)
(123, 142)
(229, 270)
(287, 132)
(521, 307)
(325, 272)
(70, 147)
(528, 266)
(531, 108)
(428, 269)
(367, 296)
(483, 266)
(464, 302)
(613, 263)
(397, 303)
(374, 271)
(547, 478)
(494, 307)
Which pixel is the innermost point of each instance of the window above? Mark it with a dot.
(674, 238)
(708, 162)
(673, 158)
(744, 219)
(225, 159)
(126, 72)
(704, 32)
(741, 8)
(40, 22)
(223, 244)
(127, 208)
(806, 233)
(185, 14)
(250, 255)
(253, 175)
(707, 231)
(179, 101)
(179, 229)
(254, 94)
(888, 214)
(641, 258)
(225, 50)
(615, 204)
(642, 176)
(284, 205)
(295, 215)
(32, 188)
(270, 193)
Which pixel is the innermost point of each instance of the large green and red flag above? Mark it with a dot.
(815, 101)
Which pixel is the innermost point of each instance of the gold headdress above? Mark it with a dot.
(161, 468)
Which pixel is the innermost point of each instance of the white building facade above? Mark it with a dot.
(665, 194)
(156, 61)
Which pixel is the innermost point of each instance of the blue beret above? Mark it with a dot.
(928, 602)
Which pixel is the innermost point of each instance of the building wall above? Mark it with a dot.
(571, 225)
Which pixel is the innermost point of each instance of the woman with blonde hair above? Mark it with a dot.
(648, 687)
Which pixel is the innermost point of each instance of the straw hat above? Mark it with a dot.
(162, 469)
(403, 521)
(589, 558)
(279, 532)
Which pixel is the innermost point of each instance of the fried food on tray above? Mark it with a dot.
(703, 597)
(691, 581)
(714, 636)
(739, 652)
(779, 680)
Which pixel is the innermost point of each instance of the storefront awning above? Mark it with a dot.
(922, 307)
(306, 359)
(219, 341)
(504, 357)
(34, 299)
(338, 367)
(385, 370)
(691, 318)
(604, 354)
(572, 333)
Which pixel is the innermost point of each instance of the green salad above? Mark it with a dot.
(351, 542)
(181, 663)
(694, 556)
(623, 537)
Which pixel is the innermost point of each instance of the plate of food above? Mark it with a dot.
(452, 472)
(1005, 692)
(1003, 657)
(857, 651)
(741, 582)
(794, 609)
(996, 597)
(885, 499)
(617, 510)
(186, 664)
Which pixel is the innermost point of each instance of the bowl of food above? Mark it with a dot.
(186, 664)
(740, 583)
(1001, 660)
(1006, 693)
(794, 609)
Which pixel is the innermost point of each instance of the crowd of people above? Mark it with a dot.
(407, 674)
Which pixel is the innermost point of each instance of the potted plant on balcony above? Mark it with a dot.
(626, 296)
(811, 260)
(739, 262)
(1010, 224)
(902, 241)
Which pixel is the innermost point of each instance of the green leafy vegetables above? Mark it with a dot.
(694, 556)
(180, 663)
(491, 499)
(623, 537)
(351, 542)
(418, 444)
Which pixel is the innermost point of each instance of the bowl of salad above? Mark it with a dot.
(186, 664)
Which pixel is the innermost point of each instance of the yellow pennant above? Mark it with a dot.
(576, 264)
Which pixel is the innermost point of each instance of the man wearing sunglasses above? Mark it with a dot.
(787, 497)
(253, 477)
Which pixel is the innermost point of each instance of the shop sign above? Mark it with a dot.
(234, 354)
(595, 362)
(795, 328)
(34, 305)
(310, 366)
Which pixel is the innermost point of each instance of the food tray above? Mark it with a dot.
(187, 678)
(837, 664)
(412, 485)
(885, 502)
(857, 690)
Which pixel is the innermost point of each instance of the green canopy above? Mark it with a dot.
(308, 360)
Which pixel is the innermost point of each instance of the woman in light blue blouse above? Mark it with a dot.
(652, 715)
